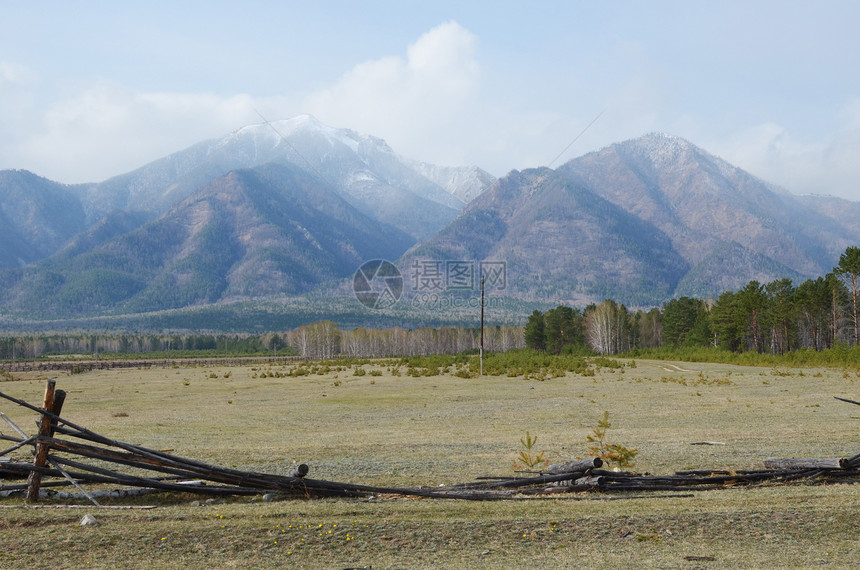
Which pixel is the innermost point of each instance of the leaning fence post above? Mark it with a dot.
(34, 480)
(57, 408)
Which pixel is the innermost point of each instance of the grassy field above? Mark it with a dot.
(385, 429)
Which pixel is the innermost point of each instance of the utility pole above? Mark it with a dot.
(482, 325)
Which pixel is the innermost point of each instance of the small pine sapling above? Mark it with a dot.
(611, 453)
(527, 459)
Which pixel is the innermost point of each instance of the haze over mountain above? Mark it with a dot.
(271, 230)
(362, 168)
(416, 197)
(294, 207)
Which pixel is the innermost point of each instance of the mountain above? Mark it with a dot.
(271, 230)
(559, 241)
(293, 208)
(464, 183)
(730, 226)
(642, 221)
(363, 169)
(37, 216)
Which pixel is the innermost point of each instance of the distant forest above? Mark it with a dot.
(773, 318)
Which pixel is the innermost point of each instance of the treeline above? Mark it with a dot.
(326, 340)
(316, 341)
(773, 318)
(24, 347)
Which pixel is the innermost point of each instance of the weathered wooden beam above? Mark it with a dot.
(300, 471)
(587, 483)
(35, 477)
(57, 408)
(18, 430)
(575, 466)
(806, 463)
(71, 480)
(21, 443)
(847, 400)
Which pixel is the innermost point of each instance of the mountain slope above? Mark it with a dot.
(559, 241)
(37, 216)
(728, 225)
(464, 183)
(642, 221)
(270, 230)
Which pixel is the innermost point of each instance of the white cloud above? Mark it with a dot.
(15, 73)
(437, 101)
(851, 114)
(16, 107)
(418, 104)
(108, 129)
(432, 103)
(828, 166)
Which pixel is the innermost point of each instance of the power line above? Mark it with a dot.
(576, 138)
(295, 150)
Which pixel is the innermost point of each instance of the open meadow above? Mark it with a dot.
(371, 423)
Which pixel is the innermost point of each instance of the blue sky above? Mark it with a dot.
(89, 90)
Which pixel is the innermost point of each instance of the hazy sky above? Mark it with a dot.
(89, 90)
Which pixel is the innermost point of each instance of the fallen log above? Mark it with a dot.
(817, 463)
(300, 471)
(588, 482)
(575, 466)
(519, 482)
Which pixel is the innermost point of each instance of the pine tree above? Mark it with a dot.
(535, 335)
(849, 265)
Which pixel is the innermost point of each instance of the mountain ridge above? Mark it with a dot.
(700, 226)
(362, 169)
(252, 232)
(295, 207)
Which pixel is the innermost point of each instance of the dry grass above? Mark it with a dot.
(440, 430)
